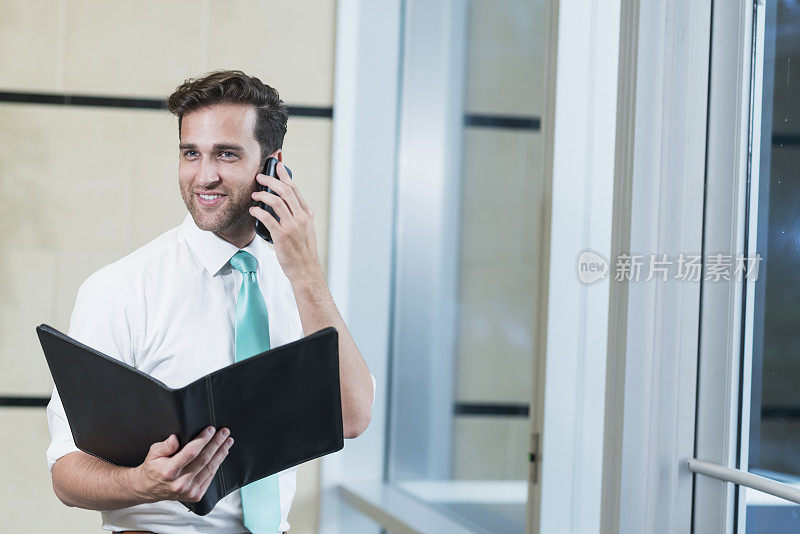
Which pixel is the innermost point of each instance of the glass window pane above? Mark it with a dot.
(774, 411)
(770, 515)
(481, 478)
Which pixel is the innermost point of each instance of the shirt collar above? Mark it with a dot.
(213, 251)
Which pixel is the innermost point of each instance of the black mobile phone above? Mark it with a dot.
(270, 169)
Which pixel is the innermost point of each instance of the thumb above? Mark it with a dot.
(168, 447)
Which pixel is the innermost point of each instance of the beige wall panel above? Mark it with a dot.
(27, 501)
(500, 196)
(480, 445)
(143, 48)
(519, 429)
(307, 152)
(27, 286)
(288, 45)
(490, 448)
(505, 57)
(155, 202)
(496, 341)
(63, 171)
(499, 239)
(304, 512)
(29, 45)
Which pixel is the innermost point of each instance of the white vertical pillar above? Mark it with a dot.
(366, 97)
(582, 198)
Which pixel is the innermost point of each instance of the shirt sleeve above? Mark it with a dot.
(300, 334)
(102, 319)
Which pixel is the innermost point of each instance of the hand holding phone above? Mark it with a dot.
(270, 169)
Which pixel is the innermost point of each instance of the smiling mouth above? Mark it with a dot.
(209, 200)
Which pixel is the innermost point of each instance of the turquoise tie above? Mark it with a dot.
(260, 499)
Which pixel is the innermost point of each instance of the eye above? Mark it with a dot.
(228, 155)
(190, 153)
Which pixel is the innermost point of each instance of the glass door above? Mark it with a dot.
(770, 418)
(467, 263)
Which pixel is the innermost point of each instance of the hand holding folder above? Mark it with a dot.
(283, 407)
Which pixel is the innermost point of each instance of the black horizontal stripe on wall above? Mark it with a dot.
(131, 103)
(24, 402)
(514, 122)
(786, 139)
(490, 409)
(310, 111)
(782, 412)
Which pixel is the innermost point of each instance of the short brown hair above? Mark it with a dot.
(235, 87)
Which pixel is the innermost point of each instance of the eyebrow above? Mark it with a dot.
(217, 147)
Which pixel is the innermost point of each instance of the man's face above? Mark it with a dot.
(220, 157)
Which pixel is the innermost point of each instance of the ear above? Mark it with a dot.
(278, 154)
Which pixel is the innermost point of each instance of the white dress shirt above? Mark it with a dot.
(169, 309)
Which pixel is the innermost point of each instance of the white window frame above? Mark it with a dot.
(658, 209)
(718, 374)
(725, 358)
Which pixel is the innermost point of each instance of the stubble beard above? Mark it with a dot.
(232, 217)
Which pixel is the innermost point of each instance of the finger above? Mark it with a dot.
(207, 453)
(206, 475)
(190, 451)
(276, 202)
(286, 189)
(166, 447)
(284, 175)
(281, 184)
(265, 217)
(291, 195)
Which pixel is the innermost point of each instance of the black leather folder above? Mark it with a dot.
(283, 407)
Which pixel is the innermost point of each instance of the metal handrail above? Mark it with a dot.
(743, 478)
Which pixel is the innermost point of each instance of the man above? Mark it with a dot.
(174, 309)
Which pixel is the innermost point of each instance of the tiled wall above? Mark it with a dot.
(500, 225)
(83, 186)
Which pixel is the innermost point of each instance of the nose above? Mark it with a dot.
(208, 176)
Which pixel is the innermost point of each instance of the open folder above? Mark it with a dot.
(283, 407)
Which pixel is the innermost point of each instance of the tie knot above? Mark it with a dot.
(244, 262)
